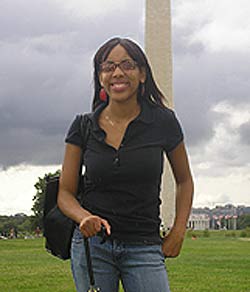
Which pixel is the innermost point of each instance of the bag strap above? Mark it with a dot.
(85, 124)
(85, 131)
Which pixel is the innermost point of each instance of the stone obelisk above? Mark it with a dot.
(159, 51)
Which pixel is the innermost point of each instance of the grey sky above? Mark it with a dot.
(46, 73)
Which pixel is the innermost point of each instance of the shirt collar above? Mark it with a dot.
(147, 112)
(95, 116)
(146, 115)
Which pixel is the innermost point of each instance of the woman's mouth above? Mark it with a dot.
(119, 86)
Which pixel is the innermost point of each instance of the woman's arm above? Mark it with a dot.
(89, 224)
(178, 159)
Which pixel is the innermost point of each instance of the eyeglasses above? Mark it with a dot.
(124, 65)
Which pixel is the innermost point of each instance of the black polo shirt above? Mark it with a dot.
(123, 185)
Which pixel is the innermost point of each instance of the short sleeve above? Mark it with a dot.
(74, 133)
(173, 132)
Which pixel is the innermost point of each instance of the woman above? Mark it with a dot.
(130, 130)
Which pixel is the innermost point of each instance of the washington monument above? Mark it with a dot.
(159, 51)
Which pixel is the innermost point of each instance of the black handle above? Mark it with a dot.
(89, 262)
(103, 234)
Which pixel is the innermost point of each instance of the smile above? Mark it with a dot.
(119, 87)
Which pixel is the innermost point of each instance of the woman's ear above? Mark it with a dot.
(100, 79)
(142, 75)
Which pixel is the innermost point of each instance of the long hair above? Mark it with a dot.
(151, 92)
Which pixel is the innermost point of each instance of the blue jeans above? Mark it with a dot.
(141, 268)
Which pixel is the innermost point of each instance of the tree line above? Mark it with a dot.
(22, 224)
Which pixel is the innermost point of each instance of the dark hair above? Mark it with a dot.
(151, 91)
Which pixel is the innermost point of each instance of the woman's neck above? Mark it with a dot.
(123, 111)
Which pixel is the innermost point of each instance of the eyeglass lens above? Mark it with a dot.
(123, 65)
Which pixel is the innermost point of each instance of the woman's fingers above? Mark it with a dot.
(107, 226)
(91, 225)
(88, 226)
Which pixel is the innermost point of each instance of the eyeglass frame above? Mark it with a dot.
(117, 64)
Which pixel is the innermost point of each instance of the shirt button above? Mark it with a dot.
(116, 161)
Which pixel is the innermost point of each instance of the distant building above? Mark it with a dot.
(220, 217)
(199, 221)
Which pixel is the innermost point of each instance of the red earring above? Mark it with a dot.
(103, 95)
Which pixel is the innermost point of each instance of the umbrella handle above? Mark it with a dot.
(89, 263)
(103, 234)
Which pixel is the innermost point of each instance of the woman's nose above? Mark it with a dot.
(118, 71)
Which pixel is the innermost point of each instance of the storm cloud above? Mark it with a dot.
(46, 52)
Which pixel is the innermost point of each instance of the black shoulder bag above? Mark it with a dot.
(58, 228)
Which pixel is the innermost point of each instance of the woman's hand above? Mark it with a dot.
(92, 224)
(172, 243)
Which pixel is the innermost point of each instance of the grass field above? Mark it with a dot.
(215, 264)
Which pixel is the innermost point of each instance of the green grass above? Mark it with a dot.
(211, 264)
(215, 264)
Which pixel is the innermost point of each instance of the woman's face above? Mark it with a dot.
(120, 82)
